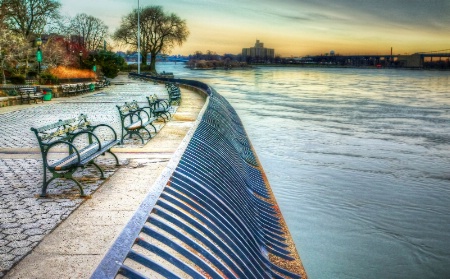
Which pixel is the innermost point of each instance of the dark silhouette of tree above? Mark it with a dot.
(159, 32)
(198, 55)
(88, 31)
(211, 55)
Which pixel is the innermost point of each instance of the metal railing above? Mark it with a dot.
(211, 216)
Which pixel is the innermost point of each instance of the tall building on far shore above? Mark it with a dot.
(258, 52)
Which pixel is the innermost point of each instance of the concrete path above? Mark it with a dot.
(65, 236)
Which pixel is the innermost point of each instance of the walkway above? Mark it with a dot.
(67, 235)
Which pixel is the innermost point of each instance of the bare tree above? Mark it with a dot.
(90, 32)
(159, 32)
(56, 53)
(29, 17)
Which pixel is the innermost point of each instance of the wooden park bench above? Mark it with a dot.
(135, 119)
(78, 142)
(29, 94)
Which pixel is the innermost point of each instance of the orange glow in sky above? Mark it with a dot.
(295, 27)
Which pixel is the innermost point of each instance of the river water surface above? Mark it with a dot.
(358, 159)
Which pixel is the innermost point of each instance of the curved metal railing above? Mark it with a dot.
(212, 215)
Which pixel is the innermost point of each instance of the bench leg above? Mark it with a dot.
(79, 186)
(160, 115)
(122, 137)
(115, 157)
(130, 134)
(142, 139)
(66, 175)
(149, 134)
(154, 128)
(102, 175)
(44, 186)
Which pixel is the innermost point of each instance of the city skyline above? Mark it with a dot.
(293, 27)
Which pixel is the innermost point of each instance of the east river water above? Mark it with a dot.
(358, 159)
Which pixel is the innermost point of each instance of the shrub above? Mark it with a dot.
(67, 73)
(48, 78)
(11, 92)
(17, 79)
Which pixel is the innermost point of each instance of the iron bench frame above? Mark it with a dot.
(134, 119)
(64, 133)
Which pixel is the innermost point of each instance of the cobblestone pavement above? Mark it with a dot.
(25, 218)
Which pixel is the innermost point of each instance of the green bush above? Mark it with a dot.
(17, 79)
(11, 92)
(32, 74)
(48, 78)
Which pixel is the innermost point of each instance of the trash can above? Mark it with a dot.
(91, 87)
(47, 94)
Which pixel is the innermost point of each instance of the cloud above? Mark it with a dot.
(293, 24)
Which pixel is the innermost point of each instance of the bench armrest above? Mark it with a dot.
(93, 128)
(140, 111)
(75, 135)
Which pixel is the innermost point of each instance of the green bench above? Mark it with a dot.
(160, 107)
(69, 145)
(29, 94)
(174, 93)
(135, 119)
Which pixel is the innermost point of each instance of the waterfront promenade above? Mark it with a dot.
(65, 236)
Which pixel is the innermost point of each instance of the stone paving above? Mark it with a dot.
(25, 218)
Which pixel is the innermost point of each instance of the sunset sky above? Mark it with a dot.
(295, 27)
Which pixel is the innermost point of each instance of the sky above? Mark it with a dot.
(294, 27)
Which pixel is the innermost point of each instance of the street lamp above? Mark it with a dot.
(81, 55)
(39, 56)
(139, 41)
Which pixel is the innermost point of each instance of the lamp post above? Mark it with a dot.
(139, 40)
(39, 57)
(81, 55)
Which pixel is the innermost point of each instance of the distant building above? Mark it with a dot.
(411, 61)
(258, 52)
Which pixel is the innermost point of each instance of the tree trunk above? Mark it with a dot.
(3, 72)
(144, 55)
(153, 63)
